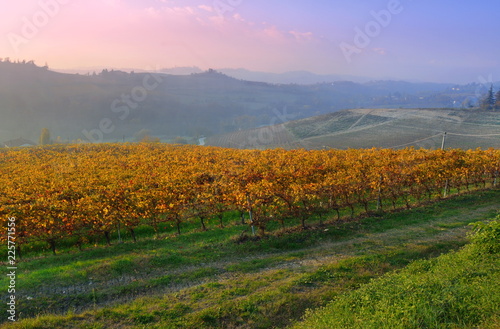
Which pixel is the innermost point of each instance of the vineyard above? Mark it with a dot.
(264, 137)
(380, 128)
(86, 191)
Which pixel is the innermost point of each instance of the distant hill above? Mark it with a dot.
(293, 77)
(116, 105)
(367, 128)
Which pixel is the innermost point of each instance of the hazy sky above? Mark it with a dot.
(429, 40)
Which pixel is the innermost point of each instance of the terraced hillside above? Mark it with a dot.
(367, 128)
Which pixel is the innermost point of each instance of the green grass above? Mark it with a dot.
(456, 290)
(206, 280)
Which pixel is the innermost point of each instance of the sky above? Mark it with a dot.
(415, 40)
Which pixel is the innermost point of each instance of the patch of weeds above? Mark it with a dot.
(235, 292)
(244, 237)
(162, 281)
(486, 237)
(248, 307)
(144, 319)
(123, 266)
(215, 285)
(177, 311)
(211, 317)
(131, 288)
(107, 314)
(198, 274)
(198, 294)
(250, 266)
(450, 225)
(167, 260)
(357, 270)
(320, 276)
(93, 326)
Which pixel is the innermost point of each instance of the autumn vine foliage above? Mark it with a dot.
(83, 191)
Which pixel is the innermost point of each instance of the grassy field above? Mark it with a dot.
(382, 128)
(456, 290)
(225, 278)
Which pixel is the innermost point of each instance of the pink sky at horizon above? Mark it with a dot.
(256, 35)
(151, 37)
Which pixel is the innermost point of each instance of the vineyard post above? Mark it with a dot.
(446, 188)
(445, 193)
(250, 214)
(119, 234)
(379, 197)
(444, 140)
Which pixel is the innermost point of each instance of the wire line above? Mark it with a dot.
(417, 141)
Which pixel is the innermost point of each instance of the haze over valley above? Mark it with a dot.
(111, 106)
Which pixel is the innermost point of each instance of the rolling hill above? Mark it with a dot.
(114, 105)
(367, 128)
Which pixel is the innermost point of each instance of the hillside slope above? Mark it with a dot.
(367, 128)
(114, 105)
(206, 280)
(456, 290)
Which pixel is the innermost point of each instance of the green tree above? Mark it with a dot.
(45, 137)
(142, 135)
(497, 98)
(488, 102)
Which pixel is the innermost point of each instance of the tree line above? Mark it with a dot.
(491, 101)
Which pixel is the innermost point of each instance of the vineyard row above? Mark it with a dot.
(83, 191)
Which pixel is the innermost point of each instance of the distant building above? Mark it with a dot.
(20, 142)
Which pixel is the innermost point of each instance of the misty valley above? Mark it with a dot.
(112, 106)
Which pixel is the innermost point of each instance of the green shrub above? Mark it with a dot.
(486, 237)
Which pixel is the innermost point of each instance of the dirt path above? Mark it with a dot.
(429, 233)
